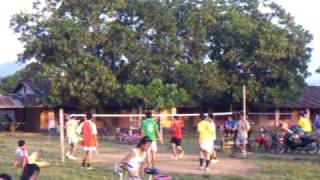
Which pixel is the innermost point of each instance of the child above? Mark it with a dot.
(30, 172)
(72, 136)
(136, 159)
(22, 158)
(176, 138)
(88, 131)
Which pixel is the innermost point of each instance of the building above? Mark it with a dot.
(23, 108)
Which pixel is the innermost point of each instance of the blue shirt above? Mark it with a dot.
(317, 122)
(231, 123)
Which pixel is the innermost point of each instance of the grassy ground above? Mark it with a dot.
(271, 166)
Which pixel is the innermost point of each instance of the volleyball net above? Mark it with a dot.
(114, 122)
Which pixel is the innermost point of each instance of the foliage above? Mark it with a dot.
(209, 48)
(33, 71)
(157, 95)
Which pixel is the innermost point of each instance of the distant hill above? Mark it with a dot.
(9, 68)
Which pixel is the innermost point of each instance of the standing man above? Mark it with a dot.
(206, 141)
(151, 129)
(214, 135)
(176, 138)
(52, 127)
(88, 132)
(72, 136)
(242, 136)
(305, 123)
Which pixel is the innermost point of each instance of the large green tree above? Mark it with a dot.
(208, 48)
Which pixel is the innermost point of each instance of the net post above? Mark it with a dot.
(244, 91)
(61, 118)
(277, 117)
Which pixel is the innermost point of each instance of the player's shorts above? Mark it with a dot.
(73, 140)
(241, 139)
(207, 146)
(153, 147)
(176, 141)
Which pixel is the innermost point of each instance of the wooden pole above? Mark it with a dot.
(277, 117)
(61, 117)
(244, 91)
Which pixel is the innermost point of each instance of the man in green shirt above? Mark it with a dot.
(151, 129)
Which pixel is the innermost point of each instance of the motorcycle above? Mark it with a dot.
(298, 143)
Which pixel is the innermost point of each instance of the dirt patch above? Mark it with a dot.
(188, 165)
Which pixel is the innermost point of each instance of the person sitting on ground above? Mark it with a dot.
(176, 138)
(205, 141)
(5, 176)
(135, 160)
(30, 172)
(305, 123)
(150, 128)
(22, 158)
(72, 136)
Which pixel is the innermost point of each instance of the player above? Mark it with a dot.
(72, 136)
(205, 141)
(88, 132)
(176, 139)
(151, 129)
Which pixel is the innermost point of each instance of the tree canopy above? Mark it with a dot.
(206, 48)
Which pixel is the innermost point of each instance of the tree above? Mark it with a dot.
(157, 95)
(209, 48)
(32, 71)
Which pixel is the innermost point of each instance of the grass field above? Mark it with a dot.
(289, 167)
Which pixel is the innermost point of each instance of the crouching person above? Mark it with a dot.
(135, 160)
(22, 157)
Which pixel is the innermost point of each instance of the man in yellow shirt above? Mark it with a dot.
(205, 140)
(305, 123)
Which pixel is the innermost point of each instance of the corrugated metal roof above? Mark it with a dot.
(308, 98)
(7, 102)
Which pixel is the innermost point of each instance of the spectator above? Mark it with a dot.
(30, 172)
(316, 124)
(22, 158)
(52, 127)
(230, 127)
(305, 123)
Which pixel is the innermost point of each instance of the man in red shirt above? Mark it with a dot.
(176, 138)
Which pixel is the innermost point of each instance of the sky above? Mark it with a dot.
(306, 13)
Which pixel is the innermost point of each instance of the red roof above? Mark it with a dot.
(7, 102)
